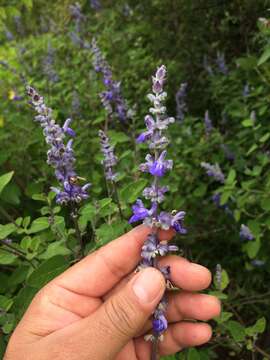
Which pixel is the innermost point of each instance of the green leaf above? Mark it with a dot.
(264, 57)
(231, 177)
(55, 248)
(251, 149)
(22, 301)
(5, 303)
(193, 354)
(252, 248)
(5, 179)
(7, 258)
(200, 190)
(265, 204)
(47, 271)
(117, 137)
(6, 230)
(224, 279)
(265, 137)
(132, 191)
(248, 123)
(39, 224)
(107, 232)
(224, 316)
(236, 330)
(257, 328)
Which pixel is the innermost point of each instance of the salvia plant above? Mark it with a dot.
(208, 123)
(214, 171)
(60, 155)
(111, 98)
(181, 105)
(157, 165)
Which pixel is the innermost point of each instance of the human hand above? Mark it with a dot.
(99, 310)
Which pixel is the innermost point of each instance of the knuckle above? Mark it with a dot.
(119, 313)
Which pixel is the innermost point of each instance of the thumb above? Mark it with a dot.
(124, 314)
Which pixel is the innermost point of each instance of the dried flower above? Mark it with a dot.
(214, 171)
(60, 155)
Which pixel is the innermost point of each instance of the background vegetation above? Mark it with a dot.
(41, 42)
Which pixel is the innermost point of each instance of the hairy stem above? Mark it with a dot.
(12, 250)
(74, 216)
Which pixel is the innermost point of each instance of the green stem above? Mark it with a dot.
(74, 217)
(117, 200)
(154, 352)
(12, 250)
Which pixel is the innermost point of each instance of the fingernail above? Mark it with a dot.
(148, 285)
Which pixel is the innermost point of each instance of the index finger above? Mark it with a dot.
(100, 271)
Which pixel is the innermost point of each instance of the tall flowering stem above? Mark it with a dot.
(157, 165)
(111, 98)
(109, 162)
(61, 157)
(180, 98)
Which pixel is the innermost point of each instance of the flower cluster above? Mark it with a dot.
(60, 155)
(110, 160)
(227, 152)
(207, 66)
(157, 165)
(78, 17)
(221, 63)
(246, 90)
(214, 171)
(245, 233)
(216, 198)
(95, 4)
(207, 123)
(111, 98)
(48, 65)
(180, 98)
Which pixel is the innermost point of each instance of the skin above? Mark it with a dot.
(99, 309)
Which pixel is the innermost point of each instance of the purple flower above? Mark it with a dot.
(140, 212)
(153, 248)
(180, 98)
(246, 90)
(227, 152)
(175, 221)
(214, 171)
(111, 98)
(155, 193)
(245, 233)
(67, 129)
(110, 160)
(257, 263)
(208, 123)
(60, 155)
(220, 61)
(95, 4)
(157, 167)
(206, 66)
(48, 65)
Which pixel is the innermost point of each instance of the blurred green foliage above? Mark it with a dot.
(136, 37)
